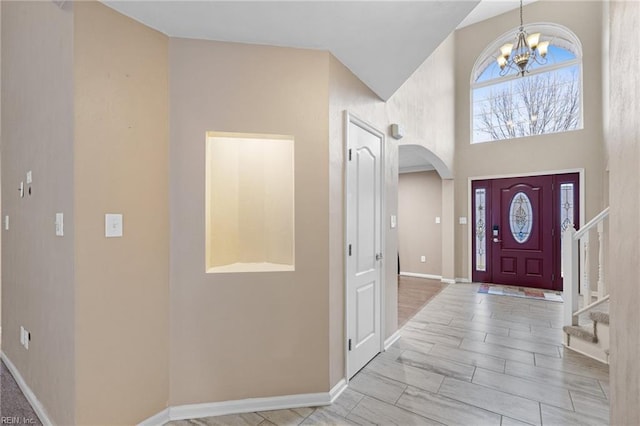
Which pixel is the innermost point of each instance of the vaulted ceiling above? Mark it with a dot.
(381, 42)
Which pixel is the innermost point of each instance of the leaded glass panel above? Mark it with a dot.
(520, 217)
(480, 229)
(566, 206)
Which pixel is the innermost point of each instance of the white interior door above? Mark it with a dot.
(364, 248)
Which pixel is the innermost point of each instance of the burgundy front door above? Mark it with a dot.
(521, 232)
(517, 227)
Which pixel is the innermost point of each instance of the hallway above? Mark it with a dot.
(466, 358)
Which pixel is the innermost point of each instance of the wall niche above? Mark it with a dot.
(249, 203)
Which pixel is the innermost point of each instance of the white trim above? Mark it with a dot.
(587, 354)
(345, 272)
(470, 179)
(250, 405)
(417, 275)
(416, 169)
(26, 390)
(337, 390)
(448, 280)
(392, 339)
(463, 280)
(157, 419)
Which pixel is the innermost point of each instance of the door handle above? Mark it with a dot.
(495, 240)
(379, 256)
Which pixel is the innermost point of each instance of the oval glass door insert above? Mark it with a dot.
(520, 217)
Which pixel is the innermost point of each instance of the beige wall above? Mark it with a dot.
(37, 135)
(623, 141)
(570, 150)
(425, 105)
(236, 336)
(121, 166)
(419, 203)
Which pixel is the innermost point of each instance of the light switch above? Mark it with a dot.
(6, 223)
(59, 224)
(394, 221)
(463, 220)
(112, 225)
(437, 219)
(29, 177)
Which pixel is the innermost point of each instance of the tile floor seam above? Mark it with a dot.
(540, 409)
(485, 408)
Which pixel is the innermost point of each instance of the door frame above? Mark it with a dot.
(582, 195)
(350, 118)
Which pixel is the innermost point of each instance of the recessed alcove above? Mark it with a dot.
(249, 203)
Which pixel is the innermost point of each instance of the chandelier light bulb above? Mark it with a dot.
(543, 48)
(533, 40)
(506, 50)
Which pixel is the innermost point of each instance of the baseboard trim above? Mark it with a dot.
(26, 390)
(416, 275)
(463, 280)
(392, 339)
(157, 420)
(588, 355)
(448, 280)
(250, 405)
(337, 390)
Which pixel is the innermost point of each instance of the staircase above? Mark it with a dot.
(586, 330)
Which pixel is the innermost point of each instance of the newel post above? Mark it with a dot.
(570, 262)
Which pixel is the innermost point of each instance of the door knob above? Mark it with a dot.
(379, 256)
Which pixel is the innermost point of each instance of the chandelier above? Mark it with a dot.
(527, 51)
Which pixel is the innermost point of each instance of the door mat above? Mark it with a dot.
(530, 293)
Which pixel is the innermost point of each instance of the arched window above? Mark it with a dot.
(548, 99)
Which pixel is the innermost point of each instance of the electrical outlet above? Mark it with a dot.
(423, 259)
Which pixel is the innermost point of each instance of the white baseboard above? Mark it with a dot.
(26, 390)
(416, 275)
(194, 411)
(448, 280)
(337, 390)
(463, 280)
(250, 405)
(391, 339)
(157, 420)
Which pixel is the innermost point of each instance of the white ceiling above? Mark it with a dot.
(381, 42)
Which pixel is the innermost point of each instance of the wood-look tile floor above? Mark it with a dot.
(413, 294)
(465, 359)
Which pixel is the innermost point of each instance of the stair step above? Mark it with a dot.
(584, 333)
(598, 316)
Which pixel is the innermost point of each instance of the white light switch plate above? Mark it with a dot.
(394, 220)
(112, 225)
(437, 219)
(463, 220)
(29, 177)
(6, 223)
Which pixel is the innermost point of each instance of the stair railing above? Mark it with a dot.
(576, 255)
